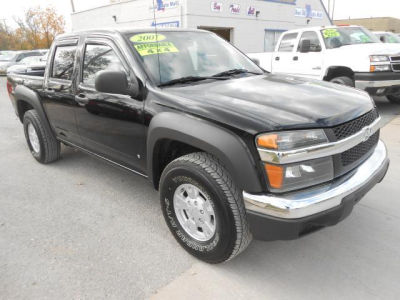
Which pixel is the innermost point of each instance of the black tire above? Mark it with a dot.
(49, 147)
(395, 99)
(204, 171)
(343, 80)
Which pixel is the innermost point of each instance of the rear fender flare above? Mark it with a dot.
(23, 93)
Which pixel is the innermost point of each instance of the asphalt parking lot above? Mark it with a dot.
(82, 229)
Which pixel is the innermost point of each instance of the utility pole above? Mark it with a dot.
(333, 9)
(73, 6)
(329, 8)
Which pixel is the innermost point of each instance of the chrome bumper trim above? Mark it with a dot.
(314, 200)
(322, 150)
(362, 84)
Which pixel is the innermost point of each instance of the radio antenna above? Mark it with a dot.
(155, 29)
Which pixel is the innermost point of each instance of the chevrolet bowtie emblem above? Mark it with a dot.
(367, 134)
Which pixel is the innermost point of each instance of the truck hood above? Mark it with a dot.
(371, 49)
(270, 102)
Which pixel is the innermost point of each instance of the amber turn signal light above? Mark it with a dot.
(268, 141)
(275, 175)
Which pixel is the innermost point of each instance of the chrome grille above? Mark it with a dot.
(395, 62)
(396, 67)
(395, 58)
(356, 153)
(348, 129)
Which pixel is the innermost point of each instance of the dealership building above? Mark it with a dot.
(251, 25)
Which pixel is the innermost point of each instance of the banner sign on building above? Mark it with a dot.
(251, 11)
(292, 2)
(172, 24)
(308, 13)
(235, 9)
(162, 5)
(216, 6)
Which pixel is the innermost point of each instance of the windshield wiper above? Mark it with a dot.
(235, 72)
(191, 79)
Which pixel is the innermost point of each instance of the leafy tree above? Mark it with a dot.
(37, 29)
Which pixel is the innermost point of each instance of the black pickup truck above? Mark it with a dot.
(235, 152)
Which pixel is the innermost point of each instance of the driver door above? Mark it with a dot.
(309, 63)
(110, 125)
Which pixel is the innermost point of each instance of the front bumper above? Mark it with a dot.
(289, 216)
(379, 83)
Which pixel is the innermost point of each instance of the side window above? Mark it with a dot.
(98, 58)
(63, 64)
(287, 42)
(20, 57)
(315, 45)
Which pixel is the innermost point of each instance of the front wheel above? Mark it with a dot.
(395, 99)
(343, 80)
(203, 208)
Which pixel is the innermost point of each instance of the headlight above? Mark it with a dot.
(284, 178)
(380, 68)
(379, 58)
(290, 140)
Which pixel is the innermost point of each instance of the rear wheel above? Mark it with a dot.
(203, 208)
(343, 80)
(395, 99)
(42, 143)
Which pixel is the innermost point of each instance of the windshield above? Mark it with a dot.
(7, 56)
(343, 36)
(187, 54)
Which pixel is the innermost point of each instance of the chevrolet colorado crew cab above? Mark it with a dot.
(348, 55)
(235, 152)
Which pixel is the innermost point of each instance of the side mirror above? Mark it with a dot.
(305, 46)
(256, 61)
(113, 82)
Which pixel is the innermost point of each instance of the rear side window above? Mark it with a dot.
(63, 64)
(287, 43)
(98, 58)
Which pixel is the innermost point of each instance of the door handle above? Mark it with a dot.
(296, 58)
(50, 90)
(82, 99)
(277, 58)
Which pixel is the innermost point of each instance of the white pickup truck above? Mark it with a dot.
(348, 55)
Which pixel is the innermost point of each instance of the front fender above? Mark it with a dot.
(210, 138)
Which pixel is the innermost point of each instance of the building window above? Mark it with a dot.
(271, 37)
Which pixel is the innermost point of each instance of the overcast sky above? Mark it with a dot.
(343, 10)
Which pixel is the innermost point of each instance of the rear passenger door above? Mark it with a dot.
(110, 125)
(285, 56)
(58, 93)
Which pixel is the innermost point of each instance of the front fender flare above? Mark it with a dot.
(210, 138)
